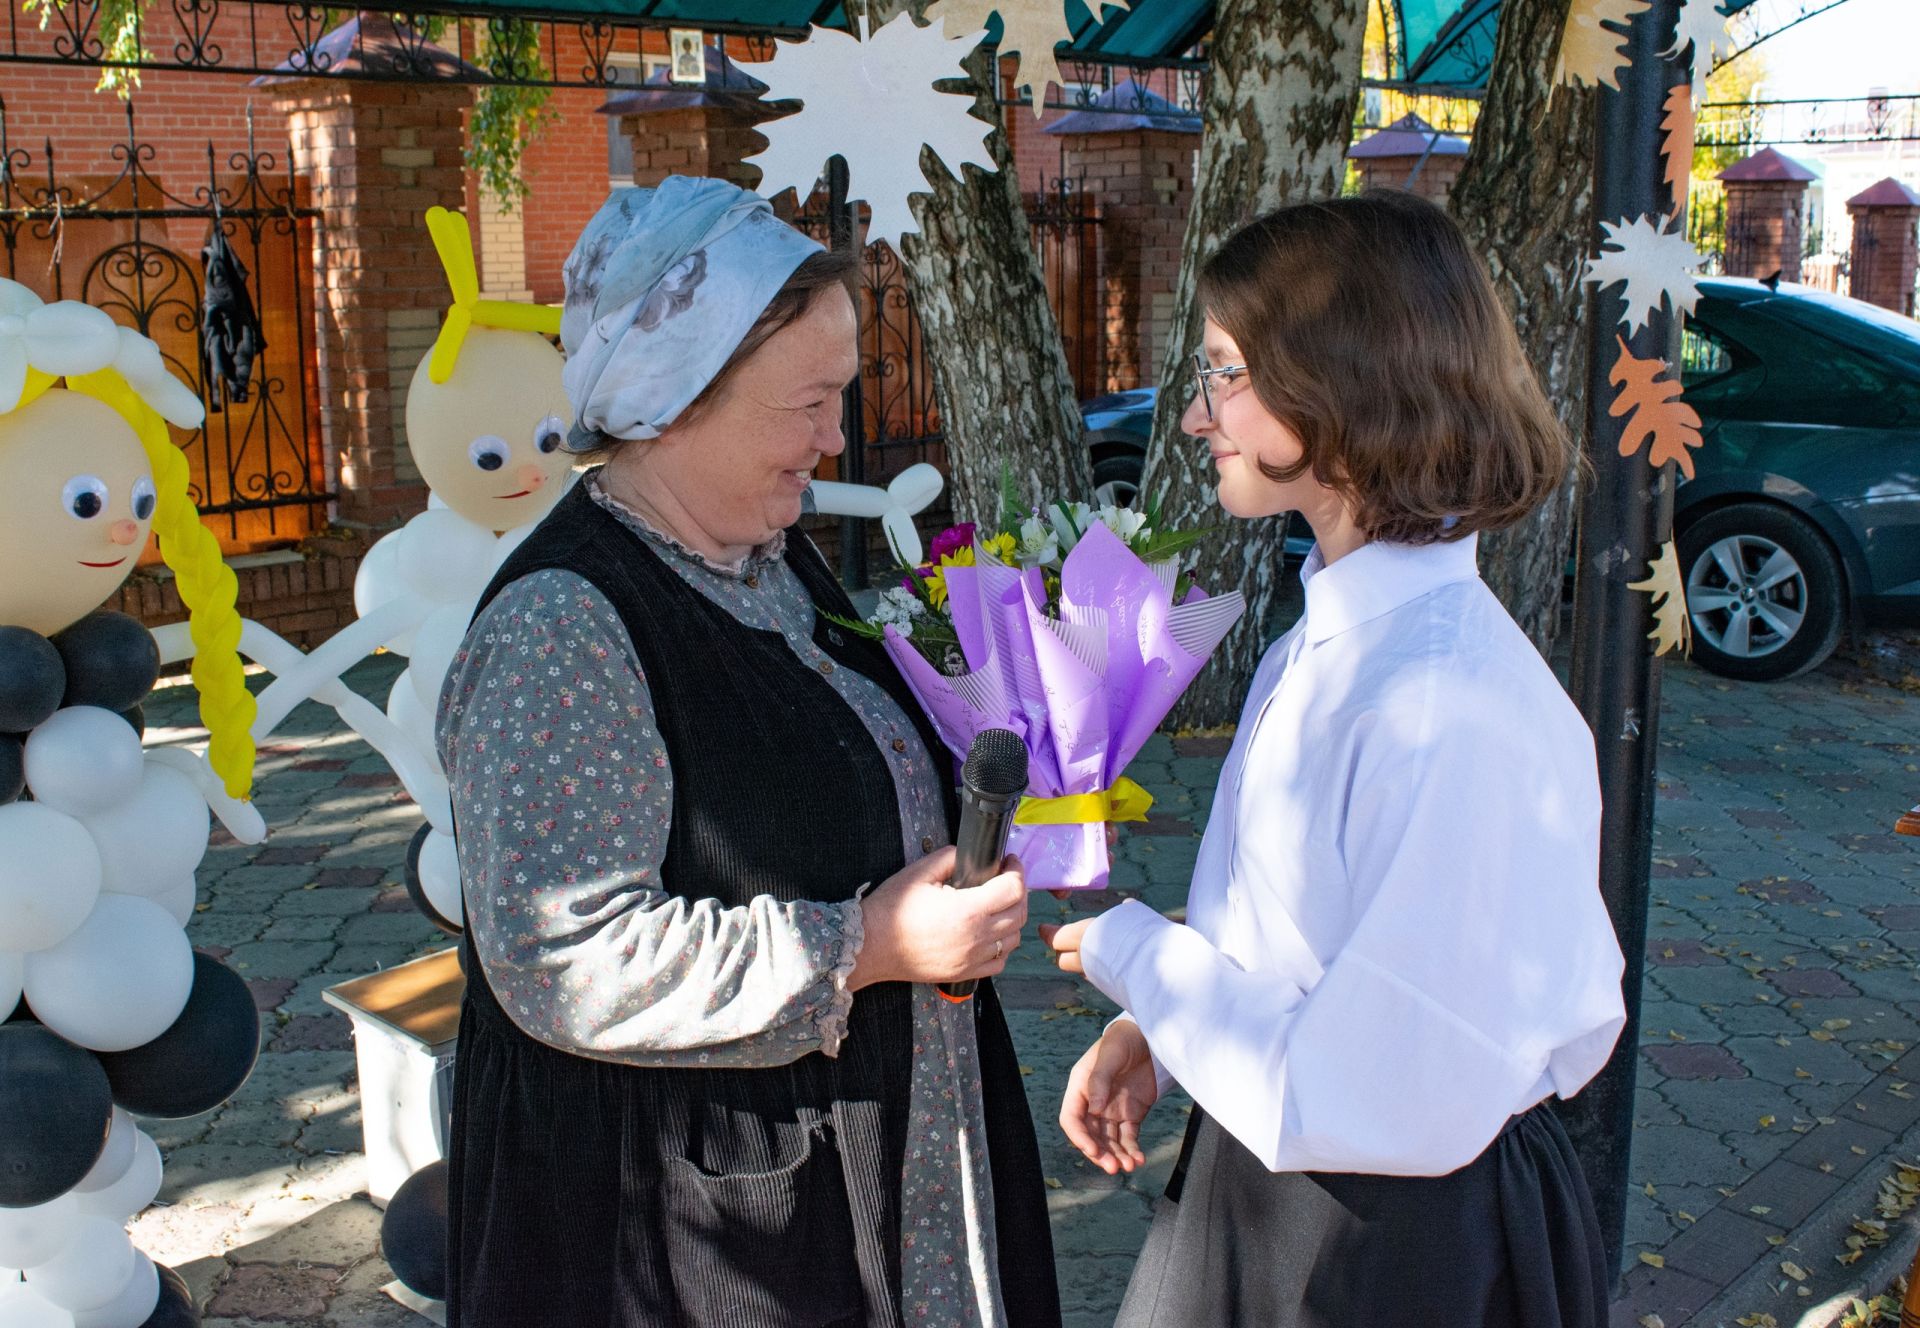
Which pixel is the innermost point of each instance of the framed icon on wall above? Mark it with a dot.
(689, 54)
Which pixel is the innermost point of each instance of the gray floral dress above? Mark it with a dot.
(587, 952)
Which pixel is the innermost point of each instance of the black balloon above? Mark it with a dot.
(13, 768)
(175, 1306)
(417, 892)
(55, 1108)
(201, 1060)
(32, 679)
(413, 1235)
(112, 661)
(136, 716)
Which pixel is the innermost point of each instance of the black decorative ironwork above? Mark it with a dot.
(196, 48)
(1750, 125)
(261, 457)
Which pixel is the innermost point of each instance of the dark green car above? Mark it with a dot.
(1804, 513)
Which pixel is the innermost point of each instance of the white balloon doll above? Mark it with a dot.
(99, 839)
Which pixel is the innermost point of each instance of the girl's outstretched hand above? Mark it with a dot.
(1064, 941)
(1108, 1094)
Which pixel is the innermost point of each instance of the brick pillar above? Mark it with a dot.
(378, 156)
(1434, 182)
(707, 141)
(1884, 260)
(1143, 179)
(1766, 215)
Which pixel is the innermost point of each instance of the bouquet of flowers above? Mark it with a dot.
(1074, 628)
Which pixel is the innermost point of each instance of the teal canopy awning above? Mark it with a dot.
(1449, 43)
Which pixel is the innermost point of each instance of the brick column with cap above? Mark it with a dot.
(1766, 215)
(378, 155)
(709, 141)
(1411, 154)
(1886, 248)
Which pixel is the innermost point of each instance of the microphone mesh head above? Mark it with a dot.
(996, 764)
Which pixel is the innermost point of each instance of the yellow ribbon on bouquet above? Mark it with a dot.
(1125, 801)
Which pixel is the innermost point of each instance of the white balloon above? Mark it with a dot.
(434, 646)
(132, 1305)
(115, 1158)
(180, 899)
(23, 1307)
(378, 579)
(509, 541)
(33, 1235)
(444, 557)
(91, 1268)
(119, 981)
(150, 841)
(440, 875)
(409, 716)
(84, 760)
(127, 1197)
(12, 973)
(49, 873)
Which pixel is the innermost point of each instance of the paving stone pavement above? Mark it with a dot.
(1780, 1030)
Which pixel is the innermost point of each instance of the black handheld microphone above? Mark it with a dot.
(991, 784)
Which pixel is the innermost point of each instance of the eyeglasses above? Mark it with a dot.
(1204, 373)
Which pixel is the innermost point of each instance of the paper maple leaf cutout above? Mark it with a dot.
(1592, 54)
(1656, 262)
(1031, 27)
(1672, 628)
(1676, 144)
(1703, 27)
(872, 100)
(1654, 410)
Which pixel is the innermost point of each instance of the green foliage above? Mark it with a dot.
(119, 39)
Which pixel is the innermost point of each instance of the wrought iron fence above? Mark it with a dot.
(114, 242)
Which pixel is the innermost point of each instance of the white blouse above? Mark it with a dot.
(1395, 939)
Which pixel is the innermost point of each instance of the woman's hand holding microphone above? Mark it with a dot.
(920, 929)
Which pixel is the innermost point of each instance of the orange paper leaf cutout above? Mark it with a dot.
(1654, 410)
(1672, 627)
(1676, 143)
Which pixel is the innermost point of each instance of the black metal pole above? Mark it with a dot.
(843, 232)
(1625, 517)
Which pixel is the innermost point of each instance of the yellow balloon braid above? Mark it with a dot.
(207, 585)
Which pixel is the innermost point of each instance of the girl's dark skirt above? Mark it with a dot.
(1508, 1241)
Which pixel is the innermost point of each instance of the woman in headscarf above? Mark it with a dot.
(705, 1075)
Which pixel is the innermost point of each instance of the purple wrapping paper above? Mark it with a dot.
(1084, 691)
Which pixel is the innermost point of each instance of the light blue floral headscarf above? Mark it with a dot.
(661, 286)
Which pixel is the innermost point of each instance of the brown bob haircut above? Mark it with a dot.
(1372, 331)
(817, 272)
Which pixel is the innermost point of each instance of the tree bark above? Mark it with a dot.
(1007, 397)
(1278, 119)
(1525, 200)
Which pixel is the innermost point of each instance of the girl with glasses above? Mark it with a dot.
(1395, 955)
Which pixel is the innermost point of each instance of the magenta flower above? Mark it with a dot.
(953, 537)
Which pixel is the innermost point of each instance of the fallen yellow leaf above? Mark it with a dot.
(1793, 1270)
(1652, 1260)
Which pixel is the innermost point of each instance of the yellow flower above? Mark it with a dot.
(935, 582)
(1003, 546)
(960, 557)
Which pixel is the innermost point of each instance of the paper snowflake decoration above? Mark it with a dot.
(1700, 27)
(1031, 27)
(870, 99)
(1656, 262)
(1672, 627)
(1590, 53)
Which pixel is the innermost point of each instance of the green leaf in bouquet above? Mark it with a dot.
(867, 630)
(1010, 508)
(1161, 545)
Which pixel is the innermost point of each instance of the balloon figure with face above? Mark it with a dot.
(112, 1011)
(486, 416)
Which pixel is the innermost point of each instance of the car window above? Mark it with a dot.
(1881, 333)
(1703, 355)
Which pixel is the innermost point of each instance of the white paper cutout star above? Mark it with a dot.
(871, 100)
(1032, 28)
(1656, 263)
(1703, 27)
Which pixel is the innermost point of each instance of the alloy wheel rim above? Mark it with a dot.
(1747, 596)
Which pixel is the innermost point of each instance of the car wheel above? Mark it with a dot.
(1116, 478)
(1766, 593)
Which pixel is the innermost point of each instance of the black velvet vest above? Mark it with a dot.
(589, 1192)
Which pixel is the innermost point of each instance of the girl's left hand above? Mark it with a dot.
(1065, 943)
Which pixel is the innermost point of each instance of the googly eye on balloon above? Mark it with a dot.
(145, 498)
(489, 452)
(549, 434)
(84, 496)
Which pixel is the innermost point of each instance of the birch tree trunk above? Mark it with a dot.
(1007, 398)
(1525, 200)
(1279, 116)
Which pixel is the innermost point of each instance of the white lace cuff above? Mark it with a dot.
(853, 934)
